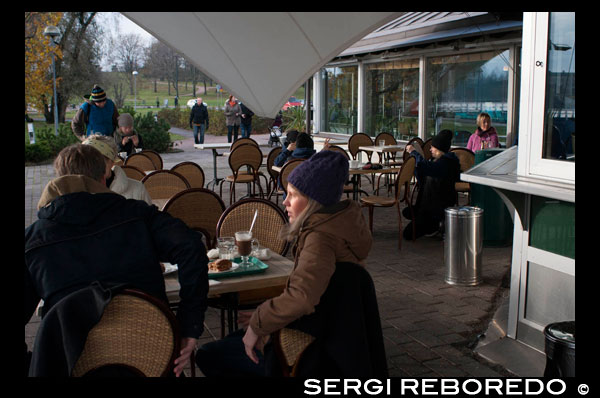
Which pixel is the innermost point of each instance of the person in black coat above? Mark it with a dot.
(246, 124)
(86, 233)
(436, 178)
(199, 121)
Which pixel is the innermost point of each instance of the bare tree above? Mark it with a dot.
(128, 54)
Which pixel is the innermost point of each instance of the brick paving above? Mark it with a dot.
(428, 325)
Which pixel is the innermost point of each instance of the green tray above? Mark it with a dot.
(256, 267)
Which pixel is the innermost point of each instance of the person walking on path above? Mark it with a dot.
(233, 118)
(97, 115)
(246, 123)
(199, 120)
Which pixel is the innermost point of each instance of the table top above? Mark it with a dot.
(277, 274)
(386, 148)
(219, 145)
(354, 171)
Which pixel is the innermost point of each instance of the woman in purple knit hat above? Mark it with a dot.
(325, 230)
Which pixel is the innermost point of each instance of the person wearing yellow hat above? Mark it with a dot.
(116, 179)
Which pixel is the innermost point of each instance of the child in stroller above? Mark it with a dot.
(275, 131)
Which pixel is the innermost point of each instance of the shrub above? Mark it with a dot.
(127, 109)
(155, 133)
(38, 152)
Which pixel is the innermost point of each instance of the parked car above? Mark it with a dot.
(293, 101)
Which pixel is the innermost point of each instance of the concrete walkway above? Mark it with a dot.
(429, 326)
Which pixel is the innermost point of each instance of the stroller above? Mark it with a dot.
(274, 136)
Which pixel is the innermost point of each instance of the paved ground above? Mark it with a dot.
(428, 325)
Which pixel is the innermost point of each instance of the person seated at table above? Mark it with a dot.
(326, 230)
(116, 179)
(302, 148)
(86, 233)
(436, 178)
(126, 138)
(485, 136)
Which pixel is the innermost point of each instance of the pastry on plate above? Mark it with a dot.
(220, 265)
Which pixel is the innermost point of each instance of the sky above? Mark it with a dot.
(118, 22)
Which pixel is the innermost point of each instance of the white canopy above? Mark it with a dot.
(261, 58)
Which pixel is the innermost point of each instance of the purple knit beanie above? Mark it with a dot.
(321, 177)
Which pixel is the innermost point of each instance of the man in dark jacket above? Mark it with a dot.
(302, 148)
(86, 233)
(199, 120)
(436, 178)
(246, 124)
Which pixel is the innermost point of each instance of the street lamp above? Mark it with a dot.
(134, 89)
(52, 32)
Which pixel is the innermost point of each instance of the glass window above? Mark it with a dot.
(392, 98)
(461, 87)
(559, 120)
(339, 101)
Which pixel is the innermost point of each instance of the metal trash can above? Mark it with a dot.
(560, 349)
(463, 243)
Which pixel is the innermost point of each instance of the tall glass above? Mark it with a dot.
(243, 241)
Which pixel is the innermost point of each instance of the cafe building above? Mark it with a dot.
(428, 71)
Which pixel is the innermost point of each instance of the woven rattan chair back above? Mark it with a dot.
(427, 148)
(245, 155)
(271, 162)
(339, 149)
(466, 157)
(243, 141)
(192, 173)
(358, 140)
(155, 157)
(287, 168)
(163, 184)
(136, 331)
(289, 345)
(141, 161)
(412, 141)
(270, 220)
(389, 139)
(133, 172)
(200, 209)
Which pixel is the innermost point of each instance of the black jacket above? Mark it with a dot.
(199, 114)
(347, 328)
(62, 333)
(246, 111)
(81, 237)
(436, 179)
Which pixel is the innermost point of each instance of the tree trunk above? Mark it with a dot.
(155, 86)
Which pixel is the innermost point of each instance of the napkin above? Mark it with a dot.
(213, 253)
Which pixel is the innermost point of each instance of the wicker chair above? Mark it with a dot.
(244, 155)
(283, 175)
(155, 157)
(389, 140)
(200, 209)
(141, 161)
(427, 148)
(412, 141)
(289, 345)
(133, 172)
(163, 184)
(358, 140)
(272, 184)
(192, 173)
(466, 158)
(339, 149)
(403, 178)
(242, 141)
(136, 331)
(269, 222)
